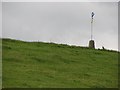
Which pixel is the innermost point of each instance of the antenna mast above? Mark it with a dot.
(91, 42)
(92, 15)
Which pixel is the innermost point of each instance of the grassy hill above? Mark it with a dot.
(46, 65)
(0, 63)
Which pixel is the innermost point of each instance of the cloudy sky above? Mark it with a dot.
(61, 22)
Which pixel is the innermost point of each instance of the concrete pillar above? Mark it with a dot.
(91, 44)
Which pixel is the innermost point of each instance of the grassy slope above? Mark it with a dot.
(0, 63)
(51, 65)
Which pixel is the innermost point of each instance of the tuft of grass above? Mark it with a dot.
(50, 65)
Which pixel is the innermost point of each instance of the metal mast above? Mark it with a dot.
(91, 42)
(92, 15)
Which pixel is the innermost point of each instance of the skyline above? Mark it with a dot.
(62, 22)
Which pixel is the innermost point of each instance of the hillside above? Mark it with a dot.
(46, 65)
(0, 63)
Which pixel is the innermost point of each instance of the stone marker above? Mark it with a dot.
(91, 44)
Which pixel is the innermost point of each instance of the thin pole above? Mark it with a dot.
(91, 28)
(92, 15)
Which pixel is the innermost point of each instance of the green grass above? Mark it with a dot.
(0, 63)
(49, 65)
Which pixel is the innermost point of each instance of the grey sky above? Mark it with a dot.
(0, 19)
(61, 22)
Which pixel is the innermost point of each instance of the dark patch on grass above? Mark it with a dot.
(86, 74)
(38, 59)
(97, 53)
(49, 76)
(26, 85)
(11, 59)
(6, 47)
(60, 58)
(98, 86)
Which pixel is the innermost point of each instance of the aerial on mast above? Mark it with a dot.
(91, 42)
(92, 15)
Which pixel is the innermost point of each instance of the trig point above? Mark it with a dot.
(91, 42)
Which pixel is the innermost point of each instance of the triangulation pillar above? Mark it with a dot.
(91, 44)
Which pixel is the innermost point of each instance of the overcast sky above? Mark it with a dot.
(61, 22)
